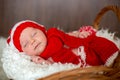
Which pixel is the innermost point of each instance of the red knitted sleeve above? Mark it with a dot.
(68, 40)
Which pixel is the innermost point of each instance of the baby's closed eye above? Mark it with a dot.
(24, 45)
(33, 34)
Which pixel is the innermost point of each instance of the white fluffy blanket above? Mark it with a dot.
(17, 66)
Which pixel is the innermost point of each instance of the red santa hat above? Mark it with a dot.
(14, 38)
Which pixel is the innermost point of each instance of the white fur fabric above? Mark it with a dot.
(2, 45)
(18, 66)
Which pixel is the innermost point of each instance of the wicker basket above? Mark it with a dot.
(96, 72)
(114, 8)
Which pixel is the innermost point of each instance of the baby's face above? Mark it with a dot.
(33, 41)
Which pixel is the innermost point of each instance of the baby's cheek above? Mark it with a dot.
(30, 52)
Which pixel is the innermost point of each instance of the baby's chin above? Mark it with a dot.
(38, 53)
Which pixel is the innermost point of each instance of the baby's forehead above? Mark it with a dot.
(27, 31)
(29, 28)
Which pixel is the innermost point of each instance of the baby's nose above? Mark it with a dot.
(32, 41)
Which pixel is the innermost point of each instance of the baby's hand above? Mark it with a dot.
(40, 60)
(83, 34)
(86, 31)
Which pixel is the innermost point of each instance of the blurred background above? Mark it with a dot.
(68, 15)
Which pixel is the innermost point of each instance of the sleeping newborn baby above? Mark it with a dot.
(53, 45)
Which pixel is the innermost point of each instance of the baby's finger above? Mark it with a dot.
(84, 34)
(81, 36)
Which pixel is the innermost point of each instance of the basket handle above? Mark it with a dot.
(97, 20)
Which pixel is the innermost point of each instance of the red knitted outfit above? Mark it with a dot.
(97, 49)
